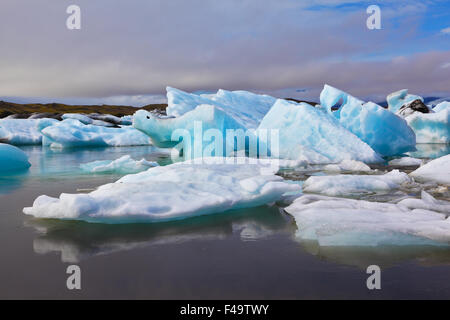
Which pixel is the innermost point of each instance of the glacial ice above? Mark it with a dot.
(84, 119)
(381, 129)
(246, 108)
(437, 170)
(23, 131)
(173, 192)
(308, 133)
(349, 222)
(397, 99)
(405, 162)
(444, 105)
(431, 127)
(12, 159)
(72, 133)
(347, 166)
(124, 164)
(343, 185)
(166, 132)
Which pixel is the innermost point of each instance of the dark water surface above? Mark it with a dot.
(250, 253)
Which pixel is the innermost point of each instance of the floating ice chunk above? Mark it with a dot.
(126, 120)
(191, 126)
(405, 162)
(444, 105)
(84, 119)
(12, 159)
(437, 170)
(348, 222)
(427, 203)
(431, 127)
(72, 133)
(245, 107)
(307, 133)
(347, 165)
(342, 185)
(399, 98)
(385, 132)
(173, 192)
(23, 131)
(124, 164)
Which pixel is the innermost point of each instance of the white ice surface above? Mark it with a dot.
(431, 127)
(348, 222)
(343, 185)
(405, 162)
(347, 165)
(124, 164)
(72, 133)
(397, 99)
(437, 170)
(23, 131)
(173, 192)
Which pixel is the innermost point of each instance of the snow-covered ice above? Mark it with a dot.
(437, 170)
(72, 133)
(245, 107)
(23, 131)
(444, 105)
(12, 159)
(308, 133)
(406, 162)
(349, 222)
(387, 133)
(84, 119)
(431, 127)
(124, 164)
(343, 185)
(173, 192)
(399, 98)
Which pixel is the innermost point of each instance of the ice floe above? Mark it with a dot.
(347, 166)
(343, 185)
(444, 105)
(349, 222)
(437, 170)
(124, 164)
(173, 192)
(307, 133)
(387, 133)
(72, 133)
(23, 131)
(245, 107)
(12, 159)
(405, 162)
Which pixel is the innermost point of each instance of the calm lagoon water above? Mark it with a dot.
(250, 253)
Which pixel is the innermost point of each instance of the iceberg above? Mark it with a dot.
(245, 107)
(399, 98)
(349, 222)
(124, 164)
(167, 132)
(72, 133)
(387, 133)
(84, 119)
(23, 131)
(12, 159)
(437, 170)
(343, 185)
(307, 133)
(174, 192)
(431, 127)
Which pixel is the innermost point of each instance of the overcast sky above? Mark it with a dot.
(129, 51)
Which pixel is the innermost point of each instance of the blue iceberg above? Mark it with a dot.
(12, 159)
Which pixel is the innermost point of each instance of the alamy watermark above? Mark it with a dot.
(374, 20)
(374, 280)
(73, 22)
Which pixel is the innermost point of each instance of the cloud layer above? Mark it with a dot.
(131, 48)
